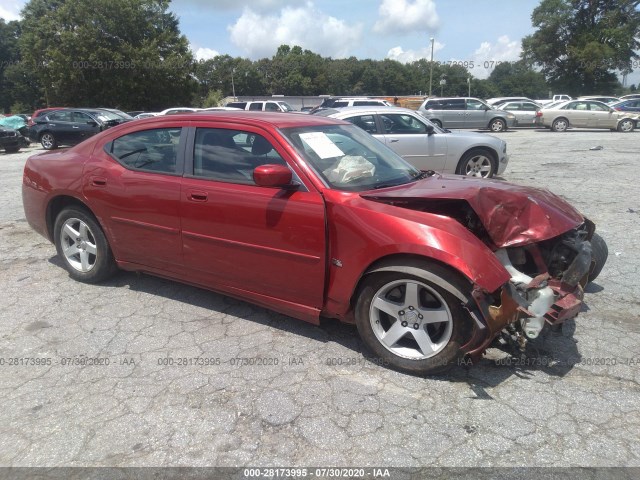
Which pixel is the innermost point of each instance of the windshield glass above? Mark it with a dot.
(347, 158)
(105, 115)
(286, 107)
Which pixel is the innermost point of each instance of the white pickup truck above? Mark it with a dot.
(556, 98)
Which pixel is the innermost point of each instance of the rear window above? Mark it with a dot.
(153, 150)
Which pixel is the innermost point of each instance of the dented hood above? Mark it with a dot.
(511, 214)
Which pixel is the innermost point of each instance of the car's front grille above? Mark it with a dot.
(5, 133)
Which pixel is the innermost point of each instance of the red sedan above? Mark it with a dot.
(312, 217)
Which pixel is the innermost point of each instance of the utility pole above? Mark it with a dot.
(431, 68)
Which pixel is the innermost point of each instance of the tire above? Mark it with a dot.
(599, 252)
(626, 125)
(48, 141)
(437, 123)
(560, 125)
(441, 341)
(497, 125)
(82, 246)
(12, 149)
(477, 163)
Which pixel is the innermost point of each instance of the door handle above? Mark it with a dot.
(198, 196)
(98, 181)
(75, 127)
(394, 140)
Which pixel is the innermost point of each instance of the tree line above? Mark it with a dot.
(130, 54)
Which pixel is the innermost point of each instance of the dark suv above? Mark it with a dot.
(69, 126)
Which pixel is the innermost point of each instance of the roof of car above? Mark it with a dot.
(276, 119)
(363, 109)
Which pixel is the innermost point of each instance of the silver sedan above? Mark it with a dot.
(587, 114)
(427, 146)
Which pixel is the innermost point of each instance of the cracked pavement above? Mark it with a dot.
(180, 376)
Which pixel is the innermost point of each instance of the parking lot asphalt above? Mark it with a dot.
(142, 371)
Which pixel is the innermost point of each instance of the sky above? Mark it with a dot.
(478, 32)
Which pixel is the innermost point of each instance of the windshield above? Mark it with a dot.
(347, 158)
(286, 107)
(105, 115)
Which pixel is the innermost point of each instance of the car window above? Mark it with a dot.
(59, 116)
(255, 106)
(340, 103)
(453, 104)
(576, 106)
(231, 156)
(271, 107)
(365, 122)
(512, 106)
(597, 107)
(153, 150)
(79, 117)
(285, 107)
(475, 105)
(347, 158)
(529, 106)
(399, 124)
(433, 105)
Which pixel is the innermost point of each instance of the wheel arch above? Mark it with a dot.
(418, 266)
(59, 203)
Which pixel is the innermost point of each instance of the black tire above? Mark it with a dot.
(626, 125)
(87, 257)
(600, 253)
(437, 123)
(48, 141)
(12, 149)
(560, 125)
(475, 163)
(451, 334)
(498, 125)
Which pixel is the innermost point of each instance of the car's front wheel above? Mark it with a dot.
(48, 141)
(477, 163)
(626, 125)
(497, 125)
(600, 253)
(82, 246)
(410, 322)
(12, 149)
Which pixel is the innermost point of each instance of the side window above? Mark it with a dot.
(148, 150)
(340, 103)
(231, 155)
(79, 117)
(271, 107)
(433, 105)
(60, 116)
(597, 108)
(453, 104)
(402, 124)
(255, 106)
(474, 105)
(365, 122)
(512, 106)
(528, 106)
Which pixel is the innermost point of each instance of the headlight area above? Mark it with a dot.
(546, 288)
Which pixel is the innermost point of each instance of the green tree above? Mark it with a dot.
(9, 58)
(518, 79)
(581, 44)
(125, 53)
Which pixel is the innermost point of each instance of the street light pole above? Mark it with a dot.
(233, 85)
(431, 68)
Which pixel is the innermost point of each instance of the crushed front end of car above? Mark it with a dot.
(542, 242)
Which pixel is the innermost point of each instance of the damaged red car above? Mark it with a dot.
(313, 217)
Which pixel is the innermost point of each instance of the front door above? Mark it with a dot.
(266, 243)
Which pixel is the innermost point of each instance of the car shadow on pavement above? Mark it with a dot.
(554, 353)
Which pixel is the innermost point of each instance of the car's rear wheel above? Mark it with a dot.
(477, 163)
(82, 246)
(626, 125)
(497, 125)
(599, 252)
(560, 125)
(411, 323)
(48, 141)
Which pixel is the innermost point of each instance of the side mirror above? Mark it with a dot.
(273, 176)
(430, 129)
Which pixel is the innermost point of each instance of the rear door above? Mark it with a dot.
(454, 111)
(133, 184)
(263, 242)
(60, 125)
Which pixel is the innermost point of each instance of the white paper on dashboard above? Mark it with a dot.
(321, 144)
